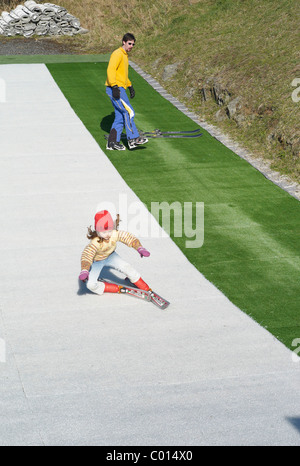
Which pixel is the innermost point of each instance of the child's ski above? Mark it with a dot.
(135, 292)
(142, 294)
(146, 295)
(158, 300)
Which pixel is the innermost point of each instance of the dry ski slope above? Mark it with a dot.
(79, 369)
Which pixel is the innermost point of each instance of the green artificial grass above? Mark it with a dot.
(251, 227)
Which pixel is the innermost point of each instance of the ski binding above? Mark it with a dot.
(149, 296)
(135, 292)
(158, 300)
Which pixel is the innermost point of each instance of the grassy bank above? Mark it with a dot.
(244, 48)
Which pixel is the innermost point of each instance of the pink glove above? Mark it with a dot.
(143, 252)
(84, 275)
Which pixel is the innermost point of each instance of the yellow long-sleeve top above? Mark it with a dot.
(96, 251)
(117, 70)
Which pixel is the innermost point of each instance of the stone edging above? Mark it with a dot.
(260, 164)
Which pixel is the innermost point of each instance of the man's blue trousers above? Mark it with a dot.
(124, 115)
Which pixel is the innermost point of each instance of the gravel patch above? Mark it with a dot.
(32, 46)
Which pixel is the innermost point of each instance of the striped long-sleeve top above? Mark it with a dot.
(96, 251)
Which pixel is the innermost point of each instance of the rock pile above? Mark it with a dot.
(39, 19)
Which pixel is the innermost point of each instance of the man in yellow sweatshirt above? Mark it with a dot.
(116, 84)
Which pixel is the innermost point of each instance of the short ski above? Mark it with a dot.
(158, 131)
(135, 292)
(142, 294)
(171, 136)
(158, 300)
(146, 295)
(166, 134)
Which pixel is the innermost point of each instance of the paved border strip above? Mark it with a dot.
(261, 165)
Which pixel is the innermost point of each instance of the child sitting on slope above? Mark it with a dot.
(100, 252)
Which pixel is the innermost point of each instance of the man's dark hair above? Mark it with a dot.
(128, 36)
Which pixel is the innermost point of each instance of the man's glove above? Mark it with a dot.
(132, 92)
(84, 275)
(143, 252)
(116, 92)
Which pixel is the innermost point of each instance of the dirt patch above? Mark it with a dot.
(33, 46)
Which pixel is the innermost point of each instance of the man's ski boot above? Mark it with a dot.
(132, 143)
(114, 145)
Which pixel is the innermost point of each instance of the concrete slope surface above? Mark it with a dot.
(80, 369)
